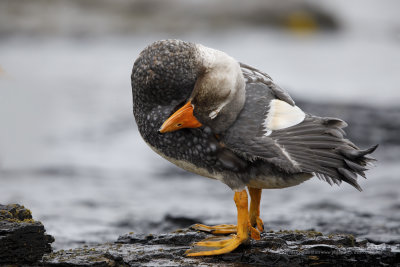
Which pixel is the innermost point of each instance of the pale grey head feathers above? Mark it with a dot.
(219, 92)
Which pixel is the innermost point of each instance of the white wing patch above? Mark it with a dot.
(282, 115)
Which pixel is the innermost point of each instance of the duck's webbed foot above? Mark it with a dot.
(259, 224)
(221, 229)
(216, 245)
(225, 229)
(223, 244)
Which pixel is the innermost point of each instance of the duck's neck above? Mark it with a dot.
(219, 92)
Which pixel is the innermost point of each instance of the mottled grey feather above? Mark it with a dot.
(253, 75)
(316, 145)
(163, 78)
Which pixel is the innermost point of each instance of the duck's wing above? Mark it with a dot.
(254, 76)
(271, 130)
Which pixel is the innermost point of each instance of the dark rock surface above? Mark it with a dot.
(22, 239)
(283, 248)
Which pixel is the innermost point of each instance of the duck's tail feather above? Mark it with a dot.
(318, 146)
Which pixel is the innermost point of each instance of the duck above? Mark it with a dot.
(209, 114)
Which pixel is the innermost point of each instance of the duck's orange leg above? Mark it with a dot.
(255, 219)
(226, 244)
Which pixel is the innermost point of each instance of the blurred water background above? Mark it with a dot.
(70, 150)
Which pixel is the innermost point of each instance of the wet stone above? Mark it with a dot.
(282, 248)
(22, 239)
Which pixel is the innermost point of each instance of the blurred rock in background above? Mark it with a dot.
(83, 18)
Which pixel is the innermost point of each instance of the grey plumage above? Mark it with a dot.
(163, 78)
(253, 75)
(316, 145)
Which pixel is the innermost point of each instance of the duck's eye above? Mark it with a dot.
(179, 125)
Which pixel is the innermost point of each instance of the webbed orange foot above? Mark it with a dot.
(224, 229)
(216, 245)
(259, 224)
(220, 229)
(223, 244)
(254, 232)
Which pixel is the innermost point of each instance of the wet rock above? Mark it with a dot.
(22, 239)
(282, 248)
(170, 222)
(179, 238)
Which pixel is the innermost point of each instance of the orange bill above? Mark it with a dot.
(182, 118)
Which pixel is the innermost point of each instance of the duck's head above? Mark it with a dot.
(208, 84)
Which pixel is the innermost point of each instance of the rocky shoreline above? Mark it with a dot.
(22, 239)
(24, 242)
